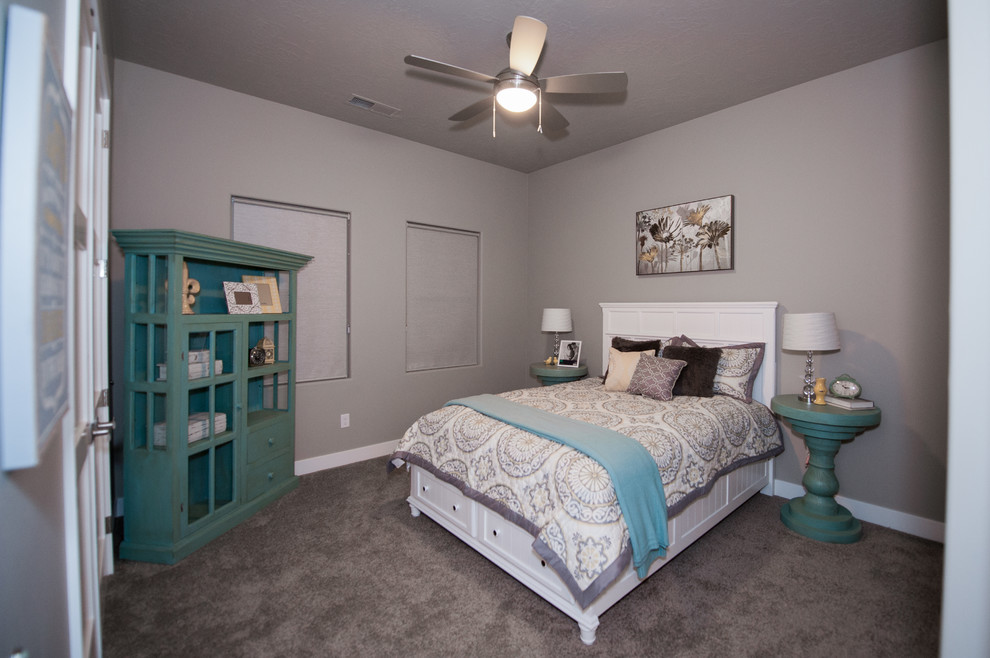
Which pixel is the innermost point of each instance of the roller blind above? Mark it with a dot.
(442, 297)
(322, 298)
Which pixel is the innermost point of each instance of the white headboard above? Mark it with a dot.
(707, 323)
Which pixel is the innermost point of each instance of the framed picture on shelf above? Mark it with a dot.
(570, 354)
(267, 292)
(242, 298)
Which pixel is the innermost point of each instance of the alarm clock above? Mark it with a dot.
(256, 356)
(845, 386)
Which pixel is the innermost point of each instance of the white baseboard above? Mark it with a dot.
(323, 462)
(888, 518)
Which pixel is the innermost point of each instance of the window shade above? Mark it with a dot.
(322, 298)
(442, 297)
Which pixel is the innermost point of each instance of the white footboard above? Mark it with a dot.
(510, 547)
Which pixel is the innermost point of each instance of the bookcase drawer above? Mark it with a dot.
(269, 441)
(268, 475)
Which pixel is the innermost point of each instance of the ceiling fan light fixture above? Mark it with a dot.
(516, 94)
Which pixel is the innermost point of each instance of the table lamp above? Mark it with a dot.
(809, 332)
(557, 320)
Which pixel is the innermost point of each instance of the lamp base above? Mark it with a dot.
(807, 393)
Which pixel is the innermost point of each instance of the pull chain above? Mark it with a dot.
(493, 117)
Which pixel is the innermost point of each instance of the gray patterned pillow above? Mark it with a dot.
(655, 376)
(737, 369)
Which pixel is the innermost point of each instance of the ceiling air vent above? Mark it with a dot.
(373, 106)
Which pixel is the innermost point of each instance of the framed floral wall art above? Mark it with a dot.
(688, 237)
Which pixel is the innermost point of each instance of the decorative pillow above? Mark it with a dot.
(737, 369)
(654, 377)
(621, 366)
(698, 376)
(630, 345)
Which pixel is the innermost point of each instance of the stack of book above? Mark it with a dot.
(849, 403)
(199, 427)
(199, 365)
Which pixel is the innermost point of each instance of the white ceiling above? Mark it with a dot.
(684, 58)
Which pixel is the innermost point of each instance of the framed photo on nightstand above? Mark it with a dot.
(570, 354)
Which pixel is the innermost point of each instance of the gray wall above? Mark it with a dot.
(841, 204)
(182, 148)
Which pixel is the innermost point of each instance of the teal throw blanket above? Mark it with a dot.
(634, 474)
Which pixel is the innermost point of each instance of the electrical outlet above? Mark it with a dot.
(345, 420)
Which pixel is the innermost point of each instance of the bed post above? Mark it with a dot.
(588, 631)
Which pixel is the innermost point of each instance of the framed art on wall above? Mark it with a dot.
(687, 237)
(35, 238)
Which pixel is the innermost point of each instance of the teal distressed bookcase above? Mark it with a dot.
(208, 437)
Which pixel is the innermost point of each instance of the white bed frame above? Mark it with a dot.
(510, 547)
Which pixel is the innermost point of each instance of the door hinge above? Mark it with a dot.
(106, 139)
(108, 525)
(102, 268)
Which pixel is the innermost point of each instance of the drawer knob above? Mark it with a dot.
(271, 442)
(426, 488)
(495, 533)
(271, 476)
(455, 507)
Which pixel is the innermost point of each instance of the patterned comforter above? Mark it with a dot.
(564, 498)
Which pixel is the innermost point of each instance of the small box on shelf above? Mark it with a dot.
(197, 370)
(199, 427)
(198, 356)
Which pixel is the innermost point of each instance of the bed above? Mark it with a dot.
(547, 513)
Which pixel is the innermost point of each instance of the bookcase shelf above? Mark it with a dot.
(208, 438)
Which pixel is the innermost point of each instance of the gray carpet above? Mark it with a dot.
(339, 567)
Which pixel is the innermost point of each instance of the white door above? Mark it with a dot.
(93, 426)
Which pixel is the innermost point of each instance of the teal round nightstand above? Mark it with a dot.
(816, 514)
(556, 374)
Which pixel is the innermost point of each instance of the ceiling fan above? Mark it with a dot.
(516, 89)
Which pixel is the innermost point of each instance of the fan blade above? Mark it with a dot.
(450, 69)
(586, 83)
(473, 110)
(553, 120)
(528, 35)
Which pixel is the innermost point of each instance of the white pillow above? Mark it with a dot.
(621, 366)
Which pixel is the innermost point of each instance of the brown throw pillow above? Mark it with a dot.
(698, 376)
(629, 345)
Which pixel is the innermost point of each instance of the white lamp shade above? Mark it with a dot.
(557, 319)
(806, 332)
